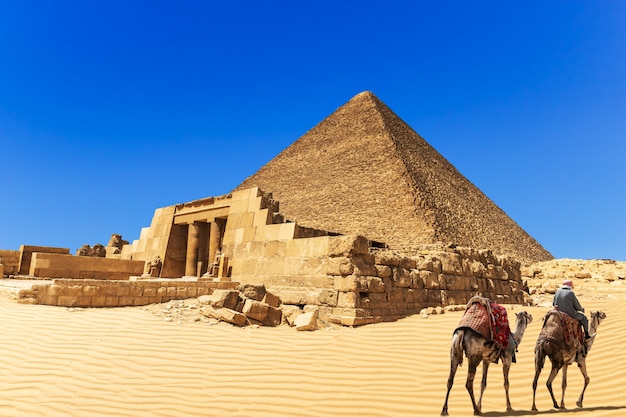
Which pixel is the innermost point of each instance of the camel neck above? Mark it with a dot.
(519, 329)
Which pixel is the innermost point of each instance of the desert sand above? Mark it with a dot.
(134, 362)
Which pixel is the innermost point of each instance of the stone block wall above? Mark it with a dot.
(26, 254)
(50, 265)
(351, 283)
(382, 285)
(10, 259)
(101, 293)
(153, 240)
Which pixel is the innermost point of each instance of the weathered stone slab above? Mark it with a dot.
(306, 321)
(272, 300)
(225, 314)
(255, 310)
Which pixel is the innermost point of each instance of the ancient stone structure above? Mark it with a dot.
(345, 279)
(54, 265)
(27, 251)
(376, 177)
(186, 237)
(115, 293)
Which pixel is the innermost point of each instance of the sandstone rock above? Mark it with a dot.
(290, 313)
(225, 314)
(306, 321)
(271, 300)
(383, 271)
(274, 317)
(221, 298)
(340, 265)
(255, 310)
(425, 312)
(254, 292)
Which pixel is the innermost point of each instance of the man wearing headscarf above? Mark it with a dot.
(565, 300)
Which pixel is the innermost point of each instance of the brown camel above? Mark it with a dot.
(478, 349)
(561, 355)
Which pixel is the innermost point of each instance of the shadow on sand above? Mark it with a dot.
(551, 411)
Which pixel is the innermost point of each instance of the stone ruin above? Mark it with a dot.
(98, 251)
(114, 247)
(344, 279)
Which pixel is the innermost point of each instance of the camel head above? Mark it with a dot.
(524, 317)
(597, 317)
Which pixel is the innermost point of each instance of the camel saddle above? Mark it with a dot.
(572, 329)
(488, 319)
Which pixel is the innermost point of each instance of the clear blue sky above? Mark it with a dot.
(110, 109)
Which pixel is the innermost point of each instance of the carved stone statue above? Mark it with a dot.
(97, 251)
(116, 242)
(152, 267)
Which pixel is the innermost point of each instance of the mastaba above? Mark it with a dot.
(363, 170)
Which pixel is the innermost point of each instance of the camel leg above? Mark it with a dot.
(483, 385)
(539, 362)
(469, 384)
(456, 358)
(454, 364)
(583, 369)
(553, 373)
(506, 367)
(563, 385)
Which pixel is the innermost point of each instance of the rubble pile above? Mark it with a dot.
(247, 305)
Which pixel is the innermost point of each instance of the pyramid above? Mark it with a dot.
(363, 170)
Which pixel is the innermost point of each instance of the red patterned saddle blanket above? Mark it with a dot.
(487, 318)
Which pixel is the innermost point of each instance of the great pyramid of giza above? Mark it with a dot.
(363, 170)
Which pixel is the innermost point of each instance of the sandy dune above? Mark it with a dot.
(130, 362)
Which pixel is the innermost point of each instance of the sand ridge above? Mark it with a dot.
(129, 361)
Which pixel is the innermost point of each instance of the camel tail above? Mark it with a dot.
(456, 350)
(540, 356)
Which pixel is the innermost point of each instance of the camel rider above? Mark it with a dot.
(565, 300)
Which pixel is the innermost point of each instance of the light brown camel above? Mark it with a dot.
(477, 349)
(562, 355)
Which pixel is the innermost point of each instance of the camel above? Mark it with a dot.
(478, 349)
(562, 355)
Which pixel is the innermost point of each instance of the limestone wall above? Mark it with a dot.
(153, 240)
(353, 284)
(26, 253)
(382, 285)
(10, 259)
(50, 265)
(100, 293)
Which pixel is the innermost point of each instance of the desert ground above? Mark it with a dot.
(161, 360)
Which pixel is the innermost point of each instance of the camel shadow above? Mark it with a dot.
(551, 411)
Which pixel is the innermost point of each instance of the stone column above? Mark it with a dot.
(193, 244)
(203, 249)
(215, 239)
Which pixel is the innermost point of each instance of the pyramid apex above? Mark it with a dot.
(364, 94)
